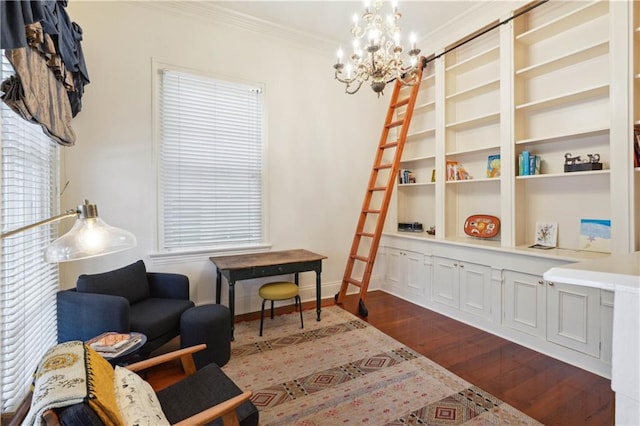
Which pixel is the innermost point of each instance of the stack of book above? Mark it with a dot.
(528, 164)
(112, 344)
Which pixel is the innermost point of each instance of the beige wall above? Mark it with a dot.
(321, 142)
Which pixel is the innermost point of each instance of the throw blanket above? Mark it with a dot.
(71, 373)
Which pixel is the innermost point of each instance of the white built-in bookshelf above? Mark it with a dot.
(543, 84)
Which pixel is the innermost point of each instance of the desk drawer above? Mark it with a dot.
(273, 270)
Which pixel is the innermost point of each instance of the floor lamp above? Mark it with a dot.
(90, 236)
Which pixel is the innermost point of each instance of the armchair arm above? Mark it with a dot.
(185, 355)
(168, 286)
(226, 410)
(82, 316)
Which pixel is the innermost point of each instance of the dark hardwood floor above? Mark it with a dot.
(550, 391)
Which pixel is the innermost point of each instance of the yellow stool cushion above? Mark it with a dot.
(281, 290)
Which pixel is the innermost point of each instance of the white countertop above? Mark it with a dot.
(618, 272)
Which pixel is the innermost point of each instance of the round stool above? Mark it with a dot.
(281, 290)
(209, 324)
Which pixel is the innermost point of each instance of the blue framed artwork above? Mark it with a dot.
(595, 235)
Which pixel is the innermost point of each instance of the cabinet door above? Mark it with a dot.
(415, 273)
(573, 317)
(524, 298)
(475, 288)
(394, 270)
(445, 281)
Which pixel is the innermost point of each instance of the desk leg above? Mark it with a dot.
(232, 305)
(218, 285)
(318, 296)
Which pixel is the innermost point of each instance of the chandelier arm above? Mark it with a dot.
(346, 89)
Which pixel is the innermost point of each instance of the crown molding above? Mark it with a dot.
(219, 15)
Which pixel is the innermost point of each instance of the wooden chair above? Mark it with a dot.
(226, 410)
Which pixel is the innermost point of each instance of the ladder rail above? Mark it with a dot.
(374, 186)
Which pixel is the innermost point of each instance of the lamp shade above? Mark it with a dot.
(90, 236)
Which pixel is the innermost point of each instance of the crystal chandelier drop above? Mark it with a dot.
(379, 57)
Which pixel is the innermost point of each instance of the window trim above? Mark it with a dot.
(161, 256)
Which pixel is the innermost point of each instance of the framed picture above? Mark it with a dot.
(546, 235)
(595, 235)
(493, 166)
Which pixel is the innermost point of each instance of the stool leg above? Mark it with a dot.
(272, 309)
(299, 303)
(262, 315)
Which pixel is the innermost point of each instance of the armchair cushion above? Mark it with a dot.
(155, 317)
(209, 386)
(129, 282)
(136, 400)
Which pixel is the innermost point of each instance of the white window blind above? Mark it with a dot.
(28, 287)
(210, 169)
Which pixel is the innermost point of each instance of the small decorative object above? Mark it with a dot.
(431, 230)
(433, 175)
(577, 164)
(482, 226)
(546, 235)
(595, 235)
(410, 227)
(493, 166)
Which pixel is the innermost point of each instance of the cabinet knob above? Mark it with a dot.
(551, 284)
(461, 265)
(540, 282)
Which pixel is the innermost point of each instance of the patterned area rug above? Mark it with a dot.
(341, 370)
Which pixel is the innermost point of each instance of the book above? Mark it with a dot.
(636, 147)
(525, 163)
(493, 166)
(406, 176)
(452, 170)
(109, 341)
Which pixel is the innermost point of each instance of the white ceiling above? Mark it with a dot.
(332, 20)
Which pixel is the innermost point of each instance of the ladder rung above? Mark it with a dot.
(395, 124)
(366, 234)
(360, 258)
(378, 188)
(389, 145)
(354, 282)
(371, 211)
(383, 166)
(401, 103)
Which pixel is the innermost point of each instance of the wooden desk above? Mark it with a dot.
(258, 265)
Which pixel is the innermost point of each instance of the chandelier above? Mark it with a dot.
(379, 57)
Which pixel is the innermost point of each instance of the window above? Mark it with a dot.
(210, 163)
(28, 193)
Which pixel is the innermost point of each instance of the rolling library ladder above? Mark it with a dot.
(380, 187)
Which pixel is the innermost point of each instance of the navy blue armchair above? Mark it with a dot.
(124, 300)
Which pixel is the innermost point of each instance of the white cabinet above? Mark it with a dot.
(406, 272)
(525, 303)
(446, 275)
(462, 285)
(576, 317)
(573, 317)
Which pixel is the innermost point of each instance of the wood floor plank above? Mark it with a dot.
(550, 391)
